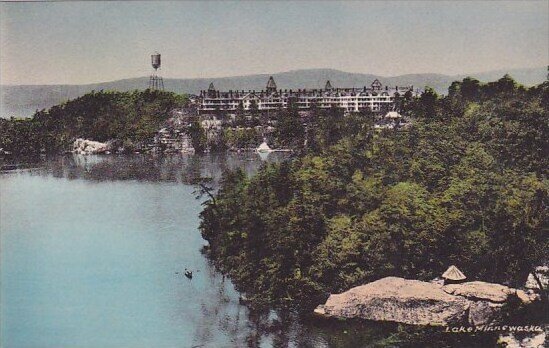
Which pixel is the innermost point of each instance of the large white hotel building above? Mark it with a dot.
(375, 98)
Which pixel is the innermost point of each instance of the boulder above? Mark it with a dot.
(88, 147)
(478, 290)
(511, 340)
(527, 297)
(423, 303)
(399, 300)
(542, 272)
(484, 313)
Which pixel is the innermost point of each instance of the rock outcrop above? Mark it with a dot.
(542, 273)
(480, 291)
(528, 296)
(89, 147)
(420, 303)
(397, 299)
(484, 312)
(510, 340)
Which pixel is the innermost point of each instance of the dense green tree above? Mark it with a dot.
(130, 117)
(465, 185)
(290, 131)
(470, 88)
(197, 135)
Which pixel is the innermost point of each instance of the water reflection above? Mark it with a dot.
(183, 168)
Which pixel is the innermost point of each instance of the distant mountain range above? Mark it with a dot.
(24, 100)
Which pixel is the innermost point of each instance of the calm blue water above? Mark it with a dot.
(91, 261)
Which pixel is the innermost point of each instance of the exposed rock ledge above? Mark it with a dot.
(480, 291)
(89, 147)
(420, 303)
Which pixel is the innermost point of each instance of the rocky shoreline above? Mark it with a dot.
(90, 147)
(474, 306)
(416, 302)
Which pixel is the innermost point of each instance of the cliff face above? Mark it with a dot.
(420, 303)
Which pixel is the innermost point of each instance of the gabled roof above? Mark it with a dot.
(271, 84)
(453, 273)
(328, 86)
(211, 88)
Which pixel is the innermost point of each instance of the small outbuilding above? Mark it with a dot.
(393, 115)
(453, 275)
(264, 147)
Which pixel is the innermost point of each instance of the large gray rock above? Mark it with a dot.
(542, 272)
(484, 312)
(89, 147)
(421, 303)
(480, 291)
(399, 300)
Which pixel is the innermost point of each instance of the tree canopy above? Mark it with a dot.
(105, 115)
(465, 185)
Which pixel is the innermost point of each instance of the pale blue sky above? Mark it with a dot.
(85, 42)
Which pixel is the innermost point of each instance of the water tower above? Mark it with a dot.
(155, 81)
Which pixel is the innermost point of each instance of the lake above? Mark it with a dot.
(93, 250)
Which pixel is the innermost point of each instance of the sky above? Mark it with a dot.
(87, 42)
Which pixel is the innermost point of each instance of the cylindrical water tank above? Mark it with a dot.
(155, 60)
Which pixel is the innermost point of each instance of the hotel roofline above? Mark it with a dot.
(376, 97)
